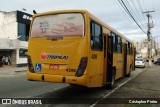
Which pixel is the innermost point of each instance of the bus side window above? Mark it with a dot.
(96, 36)
(114, 42)
(128, 48)
(92, 32)
(119, 44)
(131, 52)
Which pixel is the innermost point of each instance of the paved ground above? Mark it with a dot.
(145, 85)
(19, 87)
(11, 71)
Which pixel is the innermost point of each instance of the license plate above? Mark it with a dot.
(53, 66)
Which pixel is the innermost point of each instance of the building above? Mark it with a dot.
(142, 48)
(14, 31)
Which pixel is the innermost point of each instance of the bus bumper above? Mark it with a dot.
(57, 78)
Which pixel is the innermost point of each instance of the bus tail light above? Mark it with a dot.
(82, 66)
(30, 65)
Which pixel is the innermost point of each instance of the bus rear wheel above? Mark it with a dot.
(128, 75)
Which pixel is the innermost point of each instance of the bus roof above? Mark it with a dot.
(108, 27)
(90, 15)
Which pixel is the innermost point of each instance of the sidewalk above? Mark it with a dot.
(145, 85)
(10, 70)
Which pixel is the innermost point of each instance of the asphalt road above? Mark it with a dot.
(19, 87)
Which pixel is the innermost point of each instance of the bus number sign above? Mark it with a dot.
(53, 66)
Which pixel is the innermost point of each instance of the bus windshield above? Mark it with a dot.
(68, 24)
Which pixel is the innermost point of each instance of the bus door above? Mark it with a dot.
(109, 58)
(125, 59)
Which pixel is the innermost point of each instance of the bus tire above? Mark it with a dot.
(128, 75)
(110, 85)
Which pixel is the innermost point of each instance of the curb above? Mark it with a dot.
(106, 95)
(20, 71)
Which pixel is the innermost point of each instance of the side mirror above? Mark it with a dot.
(34, 12)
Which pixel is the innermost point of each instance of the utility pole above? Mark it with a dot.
(149, 36)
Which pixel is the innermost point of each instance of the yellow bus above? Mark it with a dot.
(152, 57)
(75, 47)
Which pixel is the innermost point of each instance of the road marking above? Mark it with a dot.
(105, 96)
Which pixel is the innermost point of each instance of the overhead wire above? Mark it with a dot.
(124, 13)
(140, 6)
(130, 14)
(134, 13)
(139, 12)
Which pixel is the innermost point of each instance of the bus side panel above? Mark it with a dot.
(96, 60)
(96, 69)
(119, 66)
(128, 63)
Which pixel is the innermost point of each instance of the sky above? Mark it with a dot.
(109, 11)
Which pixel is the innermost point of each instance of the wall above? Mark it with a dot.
(6, 43)
(8, 25)
(144, 52)
(13, 58)
(9, 34)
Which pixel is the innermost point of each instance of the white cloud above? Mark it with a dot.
(109, 11)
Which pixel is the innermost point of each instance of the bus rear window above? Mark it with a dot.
(70, 24)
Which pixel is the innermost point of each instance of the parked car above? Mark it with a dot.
(157, 62)
(139, 62)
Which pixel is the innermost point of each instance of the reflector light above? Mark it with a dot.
(82, 66)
